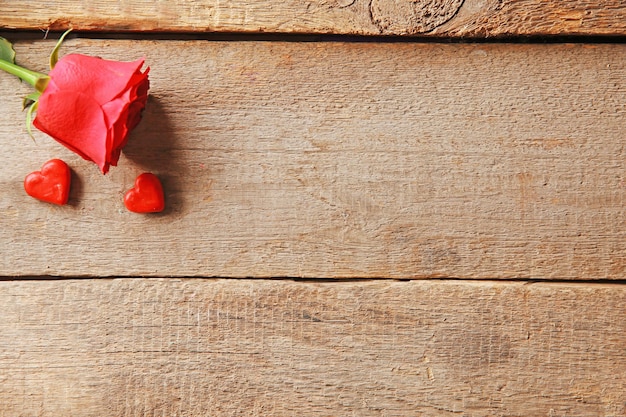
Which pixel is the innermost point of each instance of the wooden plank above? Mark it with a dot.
(466, 18)
(146, 347)
(340, 160)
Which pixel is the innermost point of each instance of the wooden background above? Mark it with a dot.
(428, 221)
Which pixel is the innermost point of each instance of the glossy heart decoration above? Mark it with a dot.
(146, 196)
(51, 184)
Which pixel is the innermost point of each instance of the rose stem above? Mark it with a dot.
(36, 79)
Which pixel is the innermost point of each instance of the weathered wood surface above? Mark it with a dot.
(135, 347)
(340, 160)
(468, 18)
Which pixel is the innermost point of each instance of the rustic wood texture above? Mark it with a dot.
(340, 160)
(135, 347)
(468, 18)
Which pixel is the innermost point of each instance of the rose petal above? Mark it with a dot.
(101, 79)
(116, 114)
(77, 121)
(91, 105)
(134, 114)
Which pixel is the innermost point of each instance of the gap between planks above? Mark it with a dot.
(34, 35)
(337, 281)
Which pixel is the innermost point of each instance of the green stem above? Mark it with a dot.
(36, 79)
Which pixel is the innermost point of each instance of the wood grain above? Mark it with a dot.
(466, 18)
(144, 347)
(340, 160)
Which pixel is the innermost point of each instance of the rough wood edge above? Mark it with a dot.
(434, 18)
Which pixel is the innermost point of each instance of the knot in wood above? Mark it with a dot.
(410, 17)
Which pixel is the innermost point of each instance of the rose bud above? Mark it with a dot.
(90, 105)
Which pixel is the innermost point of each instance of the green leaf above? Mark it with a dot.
(54, 56)
(6, 51)
(29, 119)
(30, 99)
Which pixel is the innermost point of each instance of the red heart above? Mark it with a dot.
(146, 196)
(51, 184)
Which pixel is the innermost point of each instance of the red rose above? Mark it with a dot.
(90, 105)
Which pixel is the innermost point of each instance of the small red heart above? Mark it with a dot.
(146, 196)
(51, 184)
